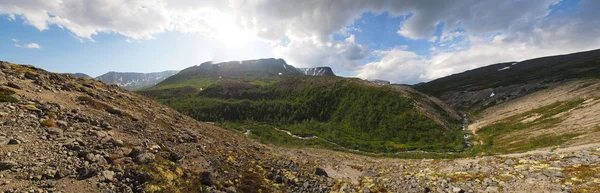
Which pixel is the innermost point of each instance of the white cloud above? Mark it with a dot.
(475, 32)
(29, 45)
(395, 64)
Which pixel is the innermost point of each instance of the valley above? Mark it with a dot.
(263, 126)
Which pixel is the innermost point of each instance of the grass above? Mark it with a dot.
(195, 82)
(6, 95)
(500, 137)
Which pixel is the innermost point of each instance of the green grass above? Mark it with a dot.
(496, 138)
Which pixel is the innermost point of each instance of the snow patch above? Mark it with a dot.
(505, 68)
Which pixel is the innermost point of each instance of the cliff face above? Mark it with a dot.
(135, 81)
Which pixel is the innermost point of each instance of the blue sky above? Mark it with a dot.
(401, 41)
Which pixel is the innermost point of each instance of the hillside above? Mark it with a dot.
(135, 81)
(261, 71)
(318, 71)
(335, 111)
(60, 133)
(267, 97)
(472, 90)
(82, 75)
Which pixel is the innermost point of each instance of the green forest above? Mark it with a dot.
(339, 111)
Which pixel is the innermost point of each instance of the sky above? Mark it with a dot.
(402, 41)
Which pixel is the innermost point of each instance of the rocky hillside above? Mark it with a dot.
(480, 88)
(135, 81)
(60, 133)
(82, 75)
(318, 71)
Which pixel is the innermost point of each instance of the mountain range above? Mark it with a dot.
(265, 126)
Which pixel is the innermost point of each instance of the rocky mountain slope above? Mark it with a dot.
(135, 81)
(82, 75)
(477, 89)
(65, 134)
(318, 71)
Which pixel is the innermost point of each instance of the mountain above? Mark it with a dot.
(318, 71)
(534, 104)
(258, 71)
(135, 81)
(483, 87)
(337, 112)
(82, 75)
(60, 133)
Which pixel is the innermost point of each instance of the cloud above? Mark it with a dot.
(474, 32)
(341, 55)
(29, 45)
(396, 64)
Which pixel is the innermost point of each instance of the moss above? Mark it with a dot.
(5, 95)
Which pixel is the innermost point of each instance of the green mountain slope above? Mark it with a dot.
(322, 111)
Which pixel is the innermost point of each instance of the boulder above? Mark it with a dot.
(321, 172)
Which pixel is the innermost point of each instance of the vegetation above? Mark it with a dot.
(500, 137)
(6, 95)
(340, 112)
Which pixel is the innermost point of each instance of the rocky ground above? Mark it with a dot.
(60, 133)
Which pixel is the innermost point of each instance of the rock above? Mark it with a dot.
(107, 176)
(4, 141)
(13, 85)
(509, 162)
(321, 172)
(145, 158)
(278, 179)
(7, 165)
(14, 141)
(31, 76)
(457, 189)
(85, 173)
(54, 131)
(554, 173)
(117, 142)
(207, 178)
(491, 189)
(135, 151)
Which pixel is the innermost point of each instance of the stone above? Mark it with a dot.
(554, 173)
(4, 141)
(108, 176)
(509, 162)
(117, 142)
(135, 151)
(13, 85)
(6, 165)
(85, 173)
(278, 179)
(145, 158)
(54, 131)
(14, 141)
(207, 178)
(321, 172)
(491, 189)
(30, 75)
(457, 190)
